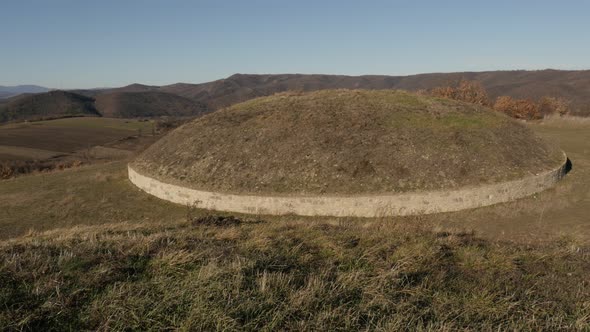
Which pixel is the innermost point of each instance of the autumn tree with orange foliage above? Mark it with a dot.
(552, 105)
(468, 91)
(517, 108)
(473, 92)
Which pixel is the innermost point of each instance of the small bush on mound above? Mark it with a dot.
(165, 125)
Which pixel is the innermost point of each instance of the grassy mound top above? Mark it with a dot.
(346, 142)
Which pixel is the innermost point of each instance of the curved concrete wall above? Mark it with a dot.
(411, 203)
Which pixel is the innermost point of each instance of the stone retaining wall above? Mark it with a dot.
(411, 203)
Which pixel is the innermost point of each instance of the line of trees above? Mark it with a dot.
(528, 109)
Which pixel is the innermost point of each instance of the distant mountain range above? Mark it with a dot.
(10, 91)
(185, 99)
(572, 85)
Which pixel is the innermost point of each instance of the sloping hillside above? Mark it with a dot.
(135, 87)
(4, 95)
(49, 105)
(572, 85)
(241, 87)
(137, 100)
(146, 104)
(11, 91)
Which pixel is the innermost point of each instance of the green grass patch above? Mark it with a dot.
(88, 195)
(449, 121)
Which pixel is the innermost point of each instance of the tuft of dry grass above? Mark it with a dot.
(288, 276)
(565, 121)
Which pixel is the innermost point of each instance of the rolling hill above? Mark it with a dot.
(146, 104)
(11, 91)
(128, 102)
(572, 85)
(135, 87)
(49, 105)
(186, 99)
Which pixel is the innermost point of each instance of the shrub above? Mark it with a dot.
(468, 91)
(473, 92)
(517, 108)
(165, 125)
(552, 105)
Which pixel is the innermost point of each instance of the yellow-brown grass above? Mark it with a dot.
(293, 275)
(101, 255)
(346, 142)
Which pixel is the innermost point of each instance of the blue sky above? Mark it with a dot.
(83, 44)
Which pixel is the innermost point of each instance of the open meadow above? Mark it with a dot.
(43, 146)
(84, 249)
(46, 139)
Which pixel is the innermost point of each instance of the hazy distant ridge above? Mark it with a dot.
(184, 99)
(10, 91)
(571, 85)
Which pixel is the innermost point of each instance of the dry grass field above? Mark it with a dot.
(220, 274)
(70, 142)
(62, 136)
(8, 152)
(84, 249)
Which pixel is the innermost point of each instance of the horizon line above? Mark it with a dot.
(286, 73)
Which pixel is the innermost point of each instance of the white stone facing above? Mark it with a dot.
(411, 203)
